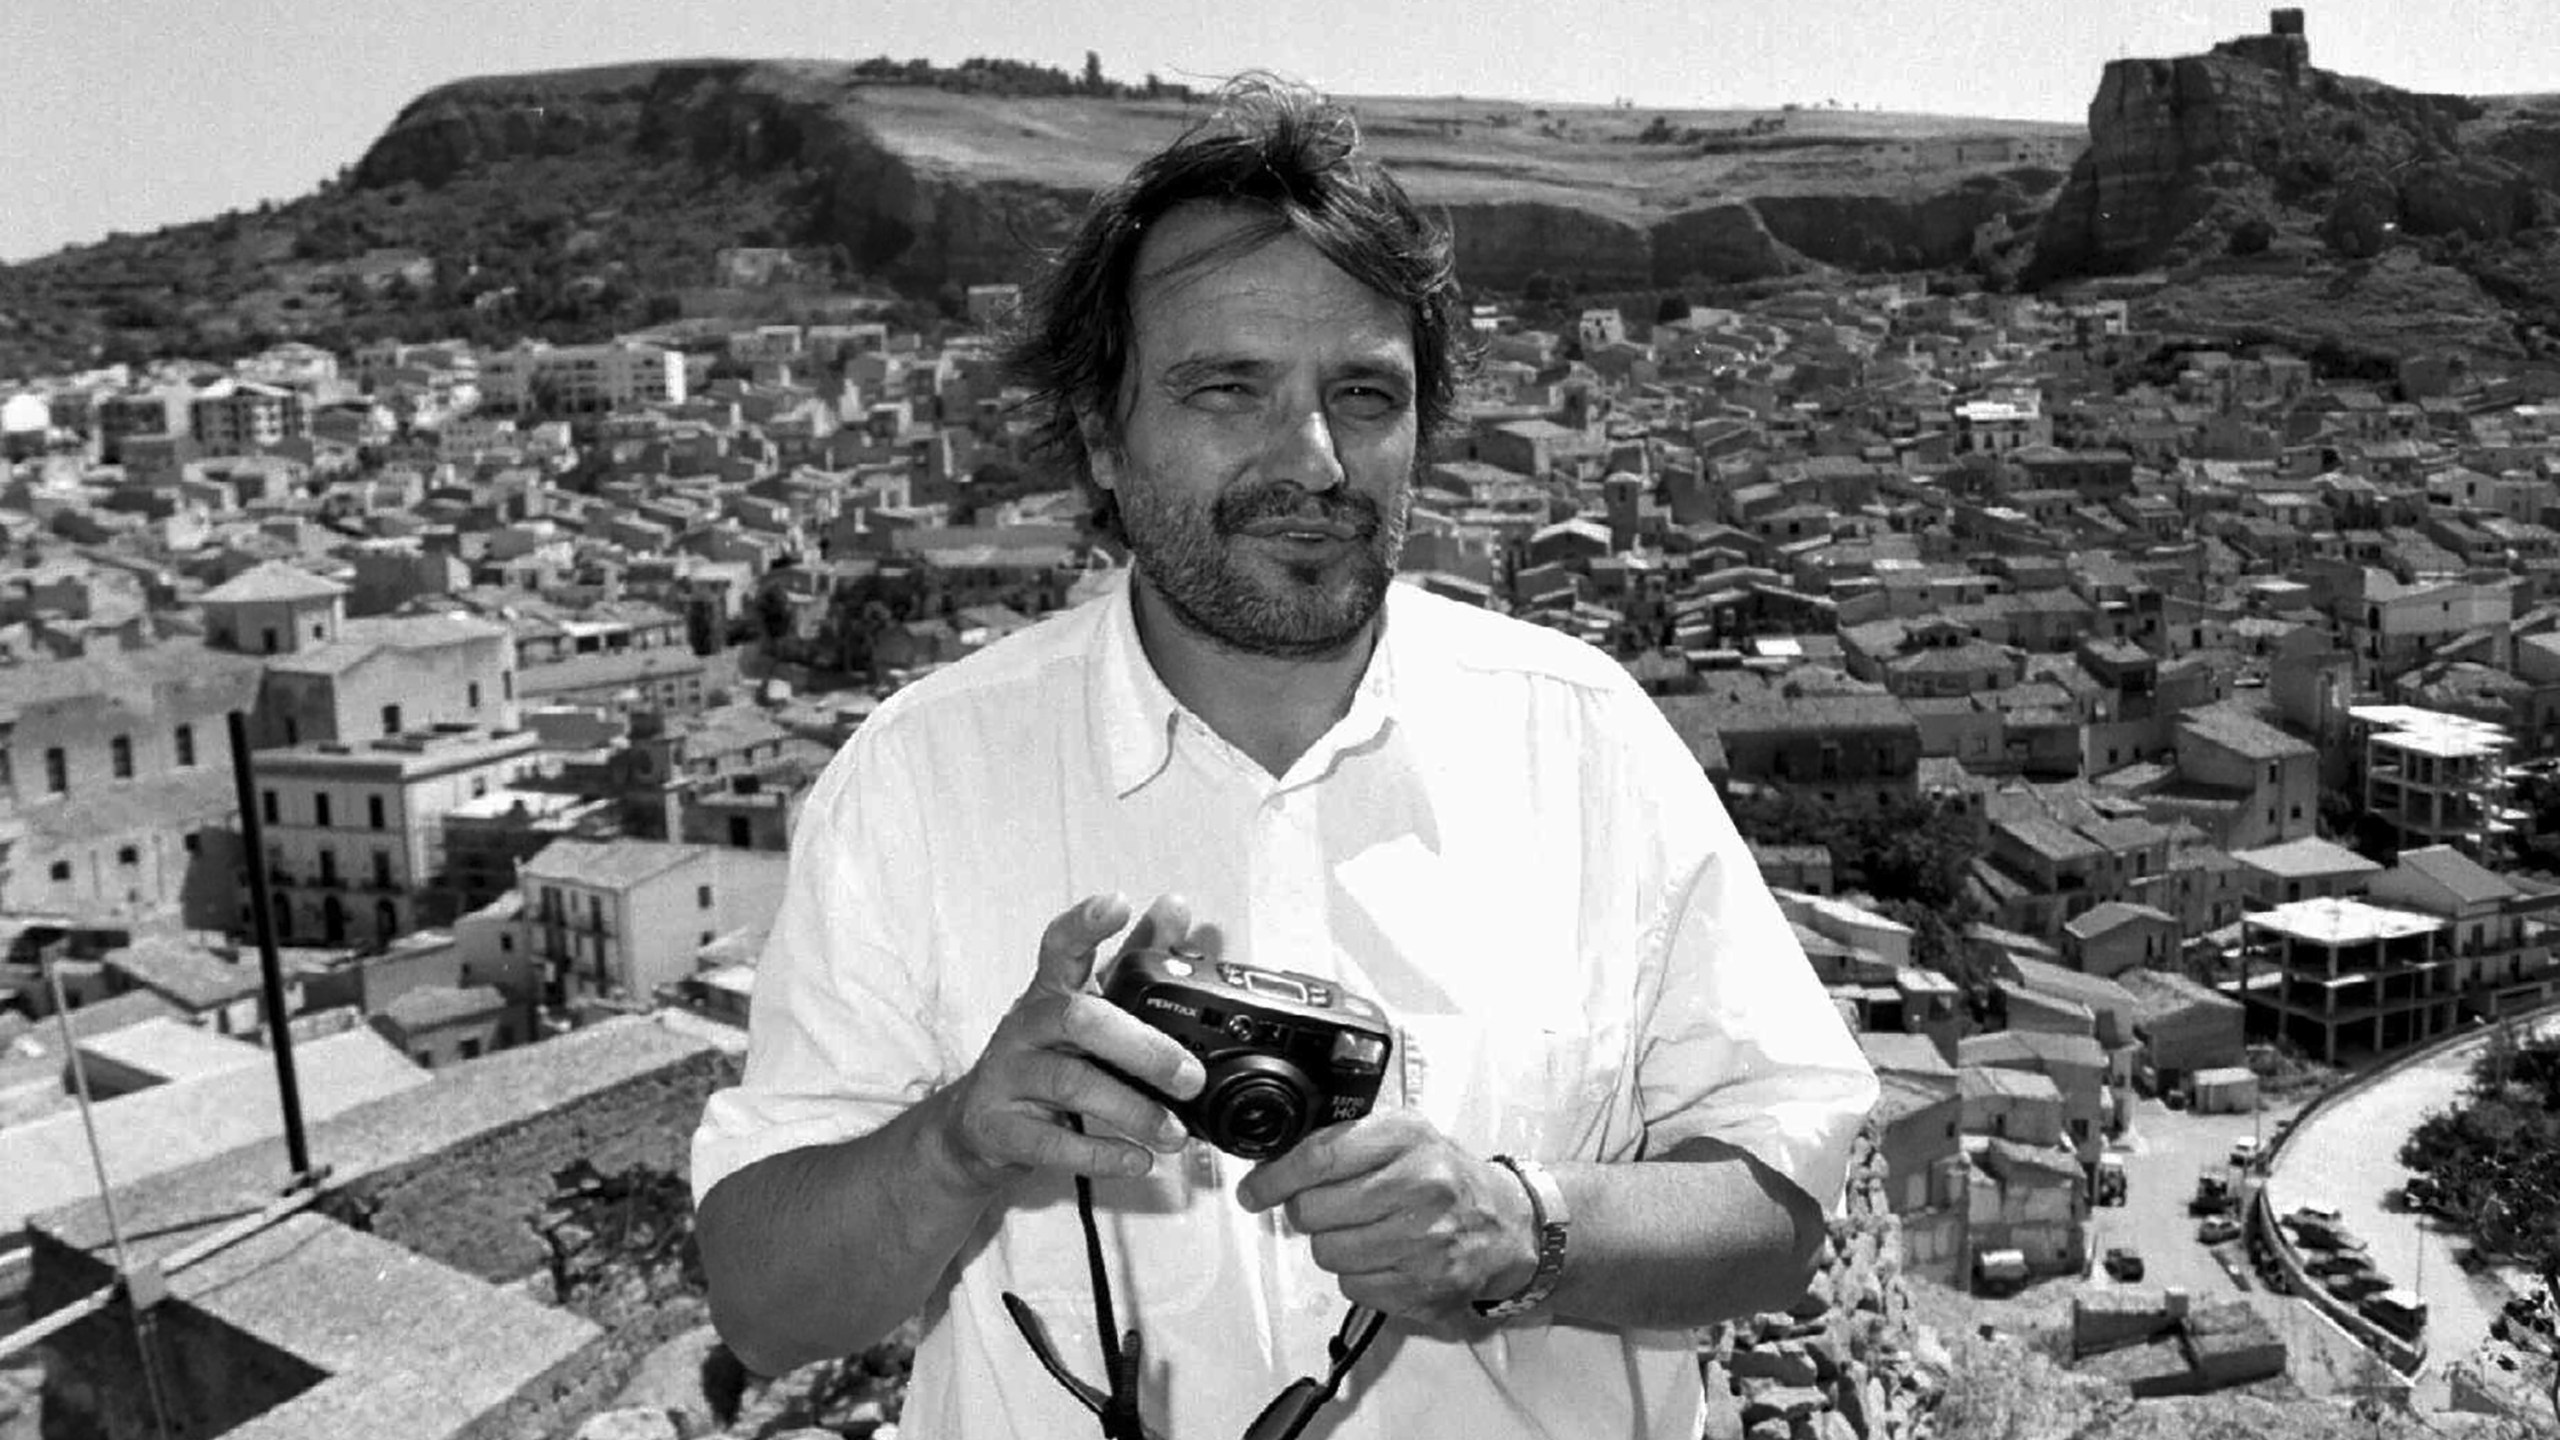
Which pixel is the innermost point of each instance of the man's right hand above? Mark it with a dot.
(1008, 1115)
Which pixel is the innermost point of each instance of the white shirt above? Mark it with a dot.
(1502, 842)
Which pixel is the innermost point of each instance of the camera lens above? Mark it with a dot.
(1257, 1116)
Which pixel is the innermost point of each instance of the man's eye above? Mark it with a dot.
(1224, 394)
(1368, 401)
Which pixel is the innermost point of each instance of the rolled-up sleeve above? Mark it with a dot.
(840, 1034)
(1738, 1040)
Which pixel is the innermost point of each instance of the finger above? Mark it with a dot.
(1166, 924)
(1329, 1156)
(1069, 1082)
(1046, 1143)
(1383, 1245)
(1066, 947)
(1342, 1206)
(1130, 1045)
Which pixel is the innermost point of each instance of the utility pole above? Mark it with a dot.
(253, 855)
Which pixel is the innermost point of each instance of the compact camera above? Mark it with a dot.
(1286, 1052)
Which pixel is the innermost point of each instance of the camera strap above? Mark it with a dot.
(1116, 1405)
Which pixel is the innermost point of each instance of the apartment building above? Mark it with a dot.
(1861, 750)
(2270, 779)
(2498, 934)
(242, 417)
(114, 778)
(385, 675)
(354, 834)
(580, 379)
(2341, 977)
(619, 920)
(2432, 777)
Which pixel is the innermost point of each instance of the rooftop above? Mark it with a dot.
(610, 864)
(2339, 920)
(270, 581)
(167, 1126)
(2306, 858)
(2246, 734)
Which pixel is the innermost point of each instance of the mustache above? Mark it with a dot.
(1237, 509)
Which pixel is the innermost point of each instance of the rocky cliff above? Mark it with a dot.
(927, 188)
(2201, 154)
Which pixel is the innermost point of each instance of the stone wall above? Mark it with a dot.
(476, 1203)
(1847, 1362)
(511, 1238)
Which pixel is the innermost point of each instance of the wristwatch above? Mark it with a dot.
(1554, 1225)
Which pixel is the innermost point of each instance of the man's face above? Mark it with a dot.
(1267, 438)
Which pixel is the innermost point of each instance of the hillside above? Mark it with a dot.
(575, 202)
(2251, 196)
(2281, 201)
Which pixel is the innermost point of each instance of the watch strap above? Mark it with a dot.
(1553, 1224)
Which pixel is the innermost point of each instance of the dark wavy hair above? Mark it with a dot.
(1269, 146)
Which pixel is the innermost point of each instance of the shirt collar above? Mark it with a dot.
(1133, 715)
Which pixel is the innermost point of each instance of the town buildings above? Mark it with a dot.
(2205, 699)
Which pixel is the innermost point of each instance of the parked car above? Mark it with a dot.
(2339, 1262)
(2354, 1285)
(2313, 1214)
(2212, 1197)
(2124, 1263)
(2218, 1228)
(2244, 1151)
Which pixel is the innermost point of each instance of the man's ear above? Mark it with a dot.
(1102, 457)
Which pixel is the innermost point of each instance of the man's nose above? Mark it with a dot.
(1302, 450)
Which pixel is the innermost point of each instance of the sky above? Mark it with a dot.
(132, 114)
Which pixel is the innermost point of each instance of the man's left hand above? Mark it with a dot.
(1411, 1224)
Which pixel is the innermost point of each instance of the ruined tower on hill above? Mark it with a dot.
(2283, 49)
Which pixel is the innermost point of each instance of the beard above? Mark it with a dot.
(1198, 560)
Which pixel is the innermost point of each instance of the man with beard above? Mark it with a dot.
(1620, 1104)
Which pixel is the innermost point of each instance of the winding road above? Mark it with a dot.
(2347, 1155)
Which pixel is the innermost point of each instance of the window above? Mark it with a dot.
(507, 684)
(390, 719)
(706, 937)
(479, 786)
(292, 731)
(320, 811)
(319, 631)
(470, 1047)
(61, 870)
(741, 834)
(328, 866)
(192, 842)
(373, 812)
(267, 807)
(270, 636)
(57, 770)
(128, 856)
(702, 897)
(472, 694)
(506, 943)
(382, 869)
(186, 745)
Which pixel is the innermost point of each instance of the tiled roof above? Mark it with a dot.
(272, 580)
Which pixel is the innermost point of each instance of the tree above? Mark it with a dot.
(1094, 84)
